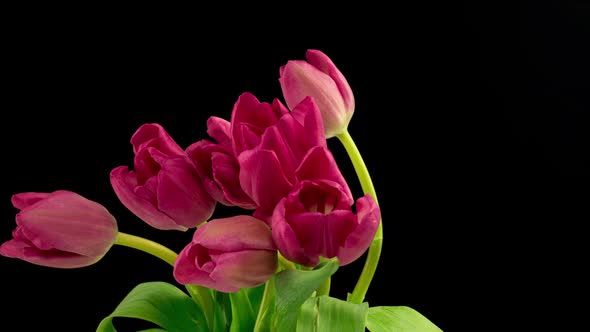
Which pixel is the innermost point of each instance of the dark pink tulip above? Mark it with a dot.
(165, 189)
(274, 145)
(250, 119)
(60, 229)
(316, 219)
(217, 166)
(321, 79)
(228, 254)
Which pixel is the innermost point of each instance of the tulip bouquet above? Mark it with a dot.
(268, 269)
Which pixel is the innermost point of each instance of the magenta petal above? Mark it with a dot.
(285, 238)
(319, 164)
(181, 195)
(262, 178)
(360, 239)
(69, 222)
(154, 135)
(22, 200)
(220, 130)
(16, 248)
(325, 64)
(243, 269)
(234, 234)
(123, 181)
(226, 172)
(312, 121)
(186, 270)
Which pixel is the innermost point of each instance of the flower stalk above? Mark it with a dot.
(362, 285)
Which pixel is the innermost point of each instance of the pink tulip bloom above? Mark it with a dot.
(217, 166)
(60, 229)
(165, 190)
(320, 79)
(316, 219)
(277, 148)
(228, 254)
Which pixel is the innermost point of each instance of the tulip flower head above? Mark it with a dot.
(320, 79)
(228, 254)
(165, 189)
(60, 229)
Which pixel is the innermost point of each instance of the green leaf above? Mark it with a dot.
(398, 319)
(293, 287)
(153, 330)
(243, 316)
(160, 303)
(328, 314)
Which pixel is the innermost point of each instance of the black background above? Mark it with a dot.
(473, 121)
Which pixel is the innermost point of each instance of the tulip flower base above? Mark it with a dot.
(267, 269)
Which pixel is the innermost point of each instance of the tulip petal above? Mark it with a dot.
(53, 223)
(360, 239)
(285, 238)
(123, 181)
(220, 130)
(181, 195)
(226, 172)
(325, 64)
(319, 164)
(154, 135)
(20, 249)
(250, 118)
(22, 200)
(262, 178)
(243, 269)
(235, 234)
(186, 270)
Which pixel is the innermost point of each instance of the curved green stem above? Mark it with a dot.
(265, 304)
(148, 246)
(324, 289)
(362, 285)
(201, 294)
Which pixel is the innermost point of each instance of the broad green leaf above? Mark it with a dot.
(153, 330)
(328, 314)
(398, 319)
(293, 287)
(160, 303)
(243, 316)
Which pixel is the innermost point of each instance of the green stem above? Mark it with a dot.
(148, 246)
(201, 294)
(324, 289)
(266, 302)
(362, 285)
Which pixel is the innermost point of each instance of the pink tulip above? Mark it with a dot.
(217, 166)
(228, 254)
(320, 79)
(275, 147)
(60, 229)
(165, 190)
(316, 219)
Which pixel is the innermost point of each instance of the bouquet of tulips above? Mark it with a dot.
(267, 269)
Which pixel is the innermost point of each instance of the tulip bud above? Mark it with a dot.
(165, 189)
(228, 254)
(60, 229)
(315, 220)
(320, 79)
